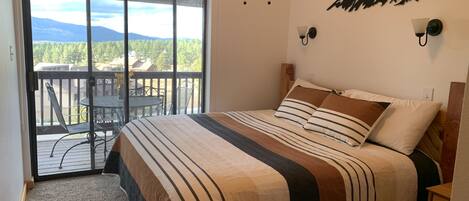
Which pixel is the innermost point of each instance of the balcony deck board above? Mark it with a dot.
(76, 160)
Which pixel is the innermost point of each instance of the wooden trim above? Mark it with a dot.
(451, 130)
(441, 119)
(287, 77)
(24, 192)
(443, 190)
(29, 184)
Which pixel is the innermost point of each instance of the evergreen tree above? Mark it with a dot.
(159, 52)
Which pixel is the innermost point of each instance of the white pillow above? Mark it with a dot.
(404, 122)
(307, 84)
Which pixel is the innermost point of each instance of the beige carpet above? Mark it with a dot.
(88, 188)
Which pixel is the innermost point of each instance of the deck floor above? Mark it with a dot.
(78, 159)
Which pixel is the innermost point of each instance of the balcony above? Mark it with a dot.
(70, 88)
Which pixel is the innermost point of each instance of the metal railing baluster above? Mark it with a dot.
(42, 102)
(51, 117)
(185, 95)
(166, 95)
(144, 94)
(193, 95)
(178, 92)
(78, 101)
(69, 101)
(199, 104)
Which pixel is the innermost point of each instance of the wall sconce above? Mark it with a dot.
(303, 31)
(425, 26)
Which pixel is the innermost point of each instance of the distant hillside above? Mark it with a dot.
(54, 31)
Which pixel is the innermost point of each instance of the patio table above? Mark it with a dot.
(114, 102)
(117, 104)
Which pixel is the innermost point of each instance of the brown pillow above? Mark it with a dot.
(300, 104)
(346, 119)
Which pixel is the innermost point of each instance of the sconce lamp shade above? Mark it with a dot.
(420, 25)
(302, 31)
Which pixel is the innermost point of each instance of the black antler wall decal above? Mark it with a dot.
(354, 5)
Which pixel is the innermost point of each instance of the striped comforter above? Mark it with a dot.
(253, 156)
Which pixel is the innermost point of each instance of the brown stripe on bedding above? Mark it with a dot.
(149, 185)
(366, 111)
(330, 182)
(305, 94)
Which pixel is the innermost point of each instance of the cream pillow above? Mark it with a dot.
(404, 122)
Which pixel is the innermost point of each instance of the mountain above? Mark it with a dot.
(54, 31)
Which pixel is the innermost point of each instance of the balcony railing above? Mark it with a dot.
(70, 88)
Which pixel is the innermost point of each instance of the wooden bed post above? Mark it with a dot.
(287, 77)
(451, 133)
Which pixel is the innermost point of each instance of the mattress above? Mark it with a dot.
(253, 156)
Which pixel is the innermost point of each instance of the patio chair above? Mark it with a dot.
(184, 96)
(70, 129)
(151, 91)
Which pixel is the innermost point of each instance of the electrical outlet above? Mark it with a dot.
(428, 94)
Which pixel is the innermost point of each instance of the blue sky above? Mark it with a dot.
(144, 18)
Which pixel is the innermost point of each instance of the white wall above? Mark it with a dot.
(376, 49)
(18, 17)
(248, 43)
(11, 168)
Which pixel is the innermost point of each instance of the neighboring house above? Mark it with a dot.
(135, 64)
(52, 67)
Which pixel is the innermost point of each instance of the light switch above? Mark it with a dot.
(428, 94)
(12, 53)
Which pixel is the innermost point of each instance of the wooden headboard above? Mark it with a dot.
(286, 79)
(449, 119)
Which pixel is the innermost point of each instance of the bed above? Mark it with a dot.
(253, 156)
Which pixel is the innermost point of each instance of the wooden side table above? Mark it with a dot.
(440, 192)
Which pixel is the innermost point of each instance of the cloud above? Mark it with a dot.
(60, 5)
(154, 20)
(107, 7)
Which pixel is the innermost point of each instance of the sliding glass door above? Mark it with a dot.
(151, 61)
(94, 65)
(60, 66)
(190, 56)
(107, 72)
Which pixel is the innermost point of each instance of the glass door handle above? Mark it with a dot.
(33, 81)
(92, 81)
